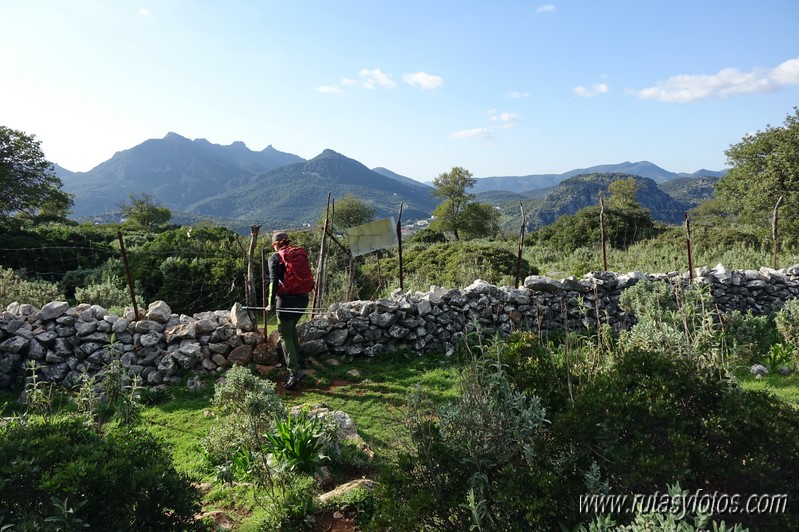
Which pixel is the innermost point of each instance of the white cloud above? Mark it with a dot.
(349, 81)
(328, 89)
(504, 117)
(476, 133)
(725, 83)
(423, 80)
(143, 11)
(596, 88)
(514, 95)
(372, 78)
(545, 8)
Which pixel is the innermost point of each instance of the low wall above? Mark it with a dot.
(437, 319)
(67, 342)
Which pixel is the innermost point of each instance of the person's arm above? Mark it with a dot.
(274, 278)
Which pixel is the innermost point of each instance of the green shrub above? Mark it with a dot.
(14, 287)
(654, 419)
(787, 321)
(127, 477)
(297, 442)
(452, 264)
(533, 367)
(110, 292)
(249, 406)
(748, 336)
(472, 462)
(674, 320)
(428, 236)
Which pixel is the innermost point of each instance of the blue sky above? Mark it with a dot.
(498, 87)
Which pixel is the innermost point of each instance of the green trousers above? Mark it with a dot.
(290, 344)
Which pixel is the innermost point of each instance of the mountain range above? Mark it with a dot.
(239, 187)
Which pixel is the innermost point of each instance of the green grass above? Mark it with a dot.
(182, 420)
(784, 387)
(375, 398)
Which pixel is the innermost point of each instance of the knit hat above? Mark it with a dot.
(279, 236)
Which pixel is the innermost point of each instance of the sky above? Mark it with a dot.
(499, 87)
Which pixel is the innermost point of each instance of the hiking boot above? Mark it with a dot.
(293, 380)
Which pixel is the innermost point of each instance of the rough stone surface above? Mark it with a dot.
(163, 347)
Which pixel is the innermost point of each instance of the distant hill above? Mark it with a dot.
(236, 186)
(393, 175)
(174, 170)
(297, 194)
(583, 190)
(690, 190)
(61, 172)
(532, 182)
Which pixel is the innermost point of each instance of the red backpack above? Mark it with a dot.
(298, 278)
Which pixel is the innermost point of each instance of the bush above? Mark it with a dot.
(787, 321)
(110, 292)
(748, 337)
(250, 405)
(453, 265)
(14, 287)
(472, 461)
(653, 420)
(532, 367)
(127, 477)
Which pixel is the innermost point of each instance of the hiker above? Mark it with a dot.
(290, 281)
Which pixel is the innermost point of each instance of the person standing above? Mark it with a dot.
(290, 281)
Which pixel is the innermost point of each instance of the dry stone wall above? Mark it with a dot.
(68, 342)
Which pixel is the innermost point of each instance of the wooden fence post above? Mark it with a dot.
(521, 245)
(127, 274)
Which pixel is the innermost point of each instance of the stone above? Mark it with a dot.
(120, 325)
(240, 318)
(53, 310)
(15, 345)
(313, 348)
(150, 339)
(336, 337)
(159, 311)
(758, 369)
(181, 331)
(241, 356)
(55, 372)
(344, 489)
(84, 328)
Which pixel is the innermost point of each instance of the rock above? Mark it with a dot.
(758, 369)
(241, 356)
(241, 318)
(53, 310)
(159, 311)
(344, 489)
(15, 345)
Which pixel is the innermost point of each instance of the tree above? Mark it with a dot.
(351, 212)
(480, 220)
(765, 166)
(144, 211)
(451, 187)
(28, 181)
(622, 193)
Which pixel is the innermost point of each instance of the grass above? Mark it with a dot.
(784, 387)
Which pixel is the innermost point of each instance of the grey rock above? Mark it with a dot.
(55, 372)
(240, 318)
(53, 310)
(240, 356)
(158, 311)
(15, 345)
